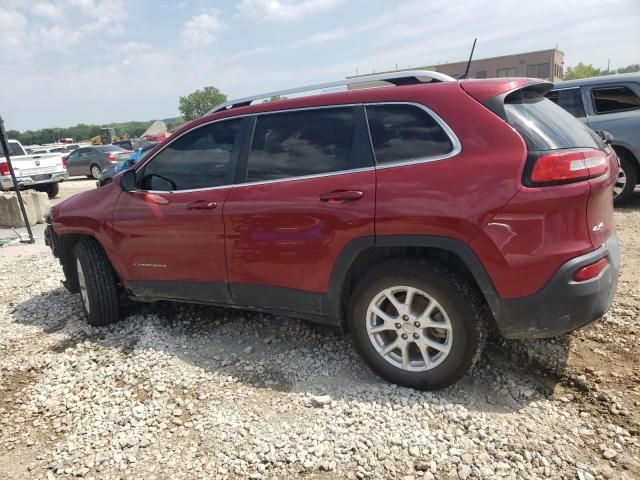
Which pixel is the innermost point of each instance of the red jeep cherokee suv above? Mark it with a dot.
(415, 216)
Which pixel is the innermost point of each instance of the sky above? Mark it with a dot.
(64, 62)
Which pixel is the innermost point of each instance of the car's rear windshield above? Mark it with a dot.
(546, 126)
(108, 148)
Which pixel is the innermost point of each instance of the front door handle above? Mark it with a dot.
(341, 196)
(202, 205)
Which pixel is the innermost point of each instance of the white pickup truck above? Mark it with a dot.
(43, 172)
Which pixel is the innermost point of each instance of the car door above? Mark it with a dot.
(74, 162)
(308, 191)
(169, 232)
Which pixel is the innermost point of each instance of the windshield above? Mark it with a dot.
(14, 149)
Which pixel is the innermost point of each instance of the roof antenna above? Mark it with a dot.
(466, 71)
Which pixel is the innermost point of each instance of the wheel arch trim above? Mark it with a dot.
(346, 259)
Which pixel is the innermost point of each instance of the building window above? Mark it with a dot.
(540, 70)
(614, 99)
(481, 74)
(508, 72)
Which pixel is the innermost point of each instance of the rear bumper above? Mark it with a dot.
(563, 305)
(30, 181)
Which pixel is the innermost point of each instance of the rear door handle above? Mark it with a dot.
(341, 196)
(202, 205)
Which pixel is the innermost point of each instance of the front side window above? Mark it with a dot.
(198, 159)
(569, 99)
(307, 142)
(614, 99)
(507, 72)
(401, 133)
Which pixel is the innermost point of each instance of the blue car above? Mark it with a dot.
(106, 176)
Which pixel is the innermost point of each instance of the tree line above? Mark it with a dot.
(582, 70)
(82, 132)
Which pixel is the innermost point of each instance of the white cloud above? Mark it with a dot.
(202, 29)
(13, 35)
(282, 10)
(47, 10)
(58, 38)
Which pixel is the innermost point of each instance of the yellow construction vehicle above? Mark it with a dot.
(108, 136)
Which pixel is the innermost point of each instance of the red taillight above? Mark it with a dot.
(112, 158)
(590, 271)
(65, 159)
(4, 168)
(569, 166)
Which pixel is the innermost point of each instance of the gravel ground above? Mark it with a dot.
(196, 392)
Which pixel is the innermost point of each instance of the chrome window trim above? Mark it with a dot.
(457, 146)
(455, 142)
(563, 88)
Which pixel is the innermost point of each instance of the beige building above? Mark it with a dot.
(545, 64)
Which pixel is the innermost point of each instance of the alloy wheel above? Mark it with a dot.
(621, 183)
(409, 328)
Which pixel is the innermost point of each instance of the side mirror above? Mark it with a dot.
(128, 180)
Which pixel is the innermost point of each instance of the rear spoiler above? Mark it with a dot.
(492, 92)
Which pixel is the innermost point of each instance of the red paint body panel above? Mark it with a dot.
(90, 213)
(281, 234)
(453, 197)
(540, 229)
(600, 213)
(158, 238)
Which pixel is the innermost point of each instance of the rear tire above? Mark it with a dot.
(626, 180)
(97, 284)
(95, 171)
(51, 189)
(430, 357)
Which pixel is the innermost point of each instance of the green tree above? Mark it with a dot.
(634, 67)
(582, 71)
(200, 102)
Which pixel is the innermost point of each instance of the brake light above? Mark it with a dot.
(591, 271)
(112, 158)
(4, 168)
(65, 159)
(569, 166)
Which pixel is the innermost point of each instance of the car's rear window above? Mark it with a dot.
(546, 126)
(14, 150)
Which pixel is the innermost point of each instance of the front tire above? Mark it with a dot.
(97, 284)
(417, 324)
(626, 181)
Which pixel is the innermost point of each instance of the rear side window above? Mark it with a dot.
(402, 133)
(544, 125)
(569, 99)
(308, 142)
(614, 99)
(200, 158)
